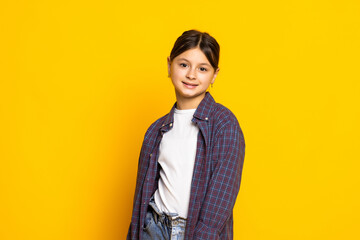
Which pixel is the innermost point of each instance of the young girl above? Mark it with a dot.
(191, 159)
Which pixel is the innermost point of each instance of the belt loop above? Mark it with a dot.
(155, 215)
(169, 218)
(168, 221)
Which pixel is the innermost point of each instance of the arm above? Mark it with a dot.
(228, 152)
(128, 236)
(141, 171)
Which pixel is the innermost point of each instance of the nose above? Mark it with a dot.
(191, 74)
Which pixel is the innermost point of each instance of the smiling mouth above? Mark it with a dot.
(189, 84)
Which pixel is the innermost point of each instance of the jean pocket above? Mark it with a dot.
(149, 219)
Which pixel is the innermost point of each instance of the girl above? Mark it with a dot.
(191, 159)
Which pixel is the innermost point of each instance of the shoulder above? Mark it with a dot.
(225, 123)
(155, 126)
(223, 117)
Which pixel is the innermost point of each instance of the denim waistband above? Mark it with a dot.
(169, 219)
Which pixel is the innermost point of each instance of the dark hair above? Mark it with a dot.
(192, 39)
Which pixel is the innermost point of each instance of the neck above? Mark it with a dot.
(183, 103)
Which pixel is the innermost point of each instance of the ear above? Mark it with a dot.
(215, 74)
(169, 66)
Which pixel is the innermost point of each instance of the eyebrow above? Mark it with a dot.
(184, 59)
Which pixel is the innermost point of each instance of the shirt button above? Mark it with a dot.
(170, 124)
(206, 119)
(163, 125)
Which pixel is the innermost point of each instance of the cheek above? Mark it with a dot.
(177, 73)
(175, 78)
(207, 77)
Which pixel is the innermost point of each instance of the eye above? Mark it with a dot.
(183, 64)
(202, 69)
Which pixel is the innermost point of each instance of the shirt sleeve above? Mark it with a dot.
(128, 236)
(228, 155)
(141, 172)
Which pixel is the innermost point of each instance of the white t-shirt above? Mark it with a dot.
(177, 157)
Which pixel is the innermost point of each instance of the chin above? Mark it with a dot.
(190, 94)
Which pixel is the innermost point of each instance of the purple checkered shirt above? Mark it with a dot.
(216, 177)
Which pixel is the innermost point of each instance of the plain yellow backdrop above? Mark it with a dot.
(81, 81)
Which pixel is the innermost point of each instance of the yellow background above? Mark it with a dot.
(81, 81)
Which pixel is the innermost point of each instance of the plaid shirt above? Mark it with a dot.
(216, 177)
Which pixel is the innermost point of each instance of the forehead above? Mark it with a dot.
(193, 55)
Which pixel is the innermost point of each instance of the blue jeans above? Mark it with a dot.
(163, 226)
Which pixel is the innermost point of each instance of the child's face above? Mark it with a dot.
(191, 73)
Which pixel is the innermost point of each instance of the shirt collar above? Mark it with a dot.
(202, 111)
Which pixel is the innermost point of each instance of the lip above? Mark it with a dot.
(189, 85)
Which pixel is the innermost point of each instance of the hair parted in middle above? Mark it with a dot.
(194, 38)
